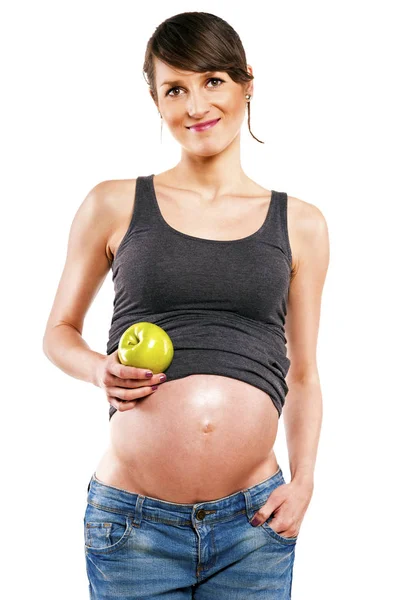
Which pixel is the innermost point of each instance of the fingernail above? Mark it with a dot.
(154, 387)
(162, 378)
(255, 522)
(148, 374)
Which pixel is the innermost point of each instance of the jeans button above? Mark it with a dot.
(201, 514)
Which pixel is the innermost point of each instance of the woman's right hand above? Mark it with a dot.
(122, 384)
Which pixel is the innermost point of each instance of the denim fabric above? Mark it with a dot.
(142, 548)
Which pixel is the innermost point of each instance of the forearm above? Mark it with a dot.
(64, 346)
(303, 411)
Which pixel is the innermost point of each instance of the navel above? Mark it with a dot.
(208, 427)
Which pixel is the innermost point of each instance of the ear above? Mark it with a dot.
(153, 97)
(250, 88)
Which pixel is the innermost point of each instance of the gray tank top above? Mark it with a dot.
(223, 303)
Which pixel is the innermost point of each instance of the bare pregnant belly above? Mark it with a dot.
(195, 439)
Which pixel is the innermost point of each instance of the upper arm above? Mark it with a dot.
(306, 287)
(87, 264)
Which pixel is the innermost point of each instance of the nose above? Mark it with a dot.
(197, 106)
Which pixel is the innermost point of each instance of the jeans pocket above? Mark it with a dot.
(266, 527)
(105, 531)
(277, 536)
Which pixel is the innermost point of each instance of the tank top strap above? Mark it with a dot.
(142, 217)
(144, 205)
(277, 224)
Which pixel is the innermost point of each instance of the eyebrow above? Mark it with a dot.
(178, 81)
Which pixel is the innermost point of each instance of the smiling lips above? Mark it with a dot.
(204, 126)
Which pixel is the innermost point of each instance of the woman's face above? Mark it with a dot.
(187, 98)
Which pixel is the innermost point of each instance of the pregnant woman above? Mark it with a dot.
(189, 500)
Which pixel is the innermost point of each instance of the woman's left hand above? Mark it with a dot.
(289, 503)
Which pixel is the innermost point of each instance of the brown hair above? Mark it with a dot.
(200, 42)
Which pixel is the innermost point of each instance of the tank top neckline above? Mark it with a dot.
(192, 237)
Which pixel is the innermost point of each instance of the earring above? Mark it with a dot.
(248, 97)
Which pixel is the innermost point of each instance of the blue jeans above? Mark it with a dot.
(141, 548)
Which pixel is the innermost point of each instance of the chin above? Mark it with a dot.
(203, 152)
(206, 148)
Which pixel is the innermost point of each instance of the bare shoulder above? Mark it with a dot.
(111, 193)
(307, 227)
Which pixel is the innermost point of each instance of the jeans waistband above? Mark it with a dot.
(137, 506)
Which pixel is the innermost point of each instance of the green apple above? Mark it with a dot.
(147, 346)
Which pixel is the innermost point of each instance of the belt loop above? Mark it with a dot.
(248, 503)
(138, 514)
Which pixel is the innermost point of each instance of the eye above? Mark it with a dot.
(171, 90)
(178, 87)
(216, 79)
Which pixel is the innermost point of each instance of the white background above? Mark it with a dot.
(76, 111)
